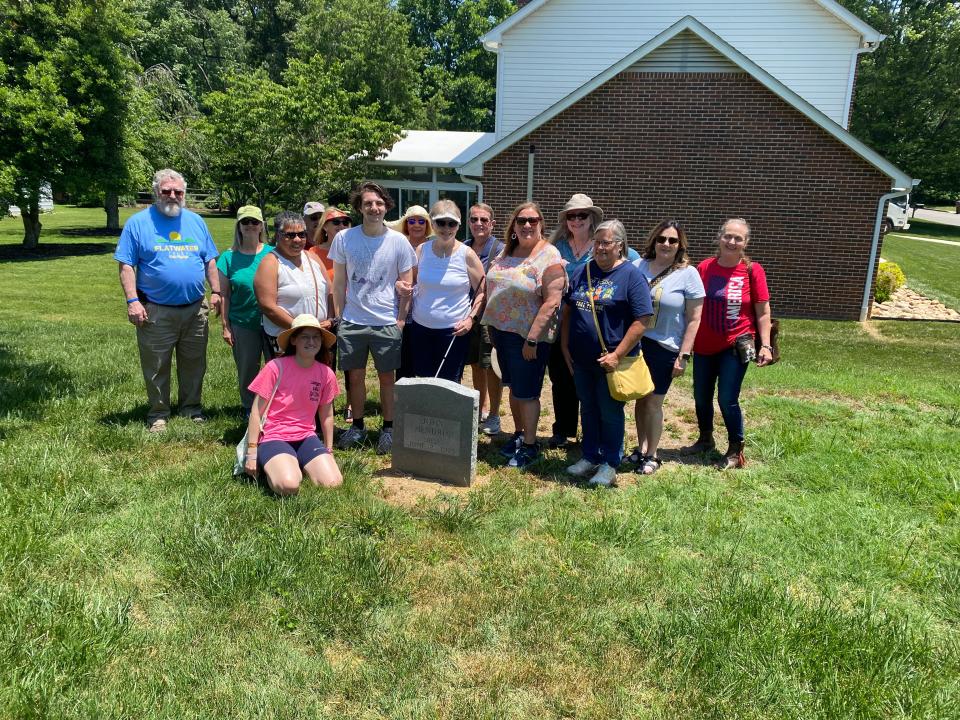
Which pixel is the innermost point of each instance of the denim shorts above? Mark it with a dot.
(523, 377)
(310, 448)
(660, 361)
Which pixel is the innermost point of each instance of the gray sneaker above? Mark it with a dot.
(158, 426)
(351, 438)
(385, 443)
(491, 425)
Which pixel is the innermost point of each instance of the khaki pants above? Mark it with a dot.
(183, 329)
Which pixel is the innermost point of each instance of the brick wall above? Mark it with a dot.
(700, 148)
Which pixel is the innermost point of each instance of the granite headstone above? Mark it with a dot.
(435, 429)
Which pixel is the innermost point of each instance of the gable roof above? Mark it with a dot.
(692, 25)
(491, 40)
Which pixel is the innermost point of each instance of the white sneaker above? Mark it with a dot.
(604, 476)
(490, 425)
(582, 467)
(158, 426)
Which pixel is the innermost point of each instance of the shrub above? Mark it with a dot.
(890, 278)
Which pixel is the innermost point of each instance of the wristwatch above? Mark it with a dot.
(531, 343)
(685, 356)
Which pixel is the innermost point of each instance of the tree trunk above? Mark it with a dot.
(30, 212)
(111, 204)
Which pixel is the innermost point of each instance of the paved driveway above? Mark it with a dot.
(937, 216)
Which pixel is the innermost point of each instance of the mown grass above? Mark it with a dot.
(932, 269)
(137, 579)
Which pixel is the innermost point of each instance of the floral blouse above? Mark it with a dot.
(515, 291)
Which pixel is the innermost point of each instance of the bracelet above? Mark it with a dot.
(131, 301)
(216, 292)
(767, 347)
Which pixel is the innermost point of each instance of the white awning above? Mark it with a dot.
(436, 148)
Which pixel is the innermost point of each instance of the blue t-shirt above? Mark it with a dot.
(574, 263)
(169, 254)
(669, 298)
(620, 295)
(491, 248)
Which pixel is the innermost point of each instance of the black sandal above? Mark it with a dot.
(652, 464)
(635, 457)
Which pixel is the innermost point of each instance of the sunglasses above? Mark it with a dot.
(534, 221)
(577, 215)
(416, 221)
(293, 235)
(171, 191)
(249, 221)
(664, 240)
(480, 220)
(339, 221)
(446, 223)
(316, 217)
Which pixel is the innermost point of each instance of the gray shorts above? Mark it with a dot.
(382, 341)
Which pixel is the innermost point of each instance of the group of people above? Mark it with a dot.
(328, 294)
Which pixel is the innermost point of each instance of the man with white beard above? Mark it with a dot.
(165, 252)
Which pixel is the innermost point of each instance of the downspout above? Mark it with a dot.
(875, 246)
(530, 157)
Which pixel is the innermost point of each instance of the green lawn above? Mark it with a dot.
(932, 269)
(137, 579)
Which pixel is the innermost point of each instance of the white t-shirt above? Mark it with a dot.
(373, 266)
(669, 298)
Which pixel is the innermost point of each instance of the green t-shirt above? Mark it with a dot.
(240, 268)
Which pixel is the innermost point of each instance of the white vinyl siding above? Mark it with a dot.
(686, 53)
(565, 43)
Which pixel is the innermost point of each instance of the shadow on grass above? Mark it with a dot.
(138, 415)
(53, 251)
(26, 388)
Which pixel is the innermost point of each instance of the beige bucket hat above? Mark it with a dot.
(580, 201)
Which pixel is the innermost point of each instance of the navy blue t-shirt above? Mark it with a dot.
(621, 296)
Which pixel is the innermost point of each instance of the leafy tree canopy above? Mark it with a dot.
(907, 102)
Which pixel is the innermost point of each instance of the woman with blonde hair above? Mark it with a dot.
(416, 226)
(736, 310)
(447, 299)
(241, 313)
(676, 292)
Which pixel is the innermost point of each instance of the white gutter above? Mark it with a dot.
(867, 47)
(875, 245)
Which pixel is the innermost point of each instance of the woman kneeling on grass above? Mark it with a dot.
(301, 390)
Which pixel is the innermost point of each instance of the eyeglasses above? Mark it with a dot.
(604, 243)
(249, 221)
(416, 221)
(293, 235)
(480, 220)
(171, 191)
(534, 221)
(664, 240)
(577, 215)
(446, 223)
(339, 221)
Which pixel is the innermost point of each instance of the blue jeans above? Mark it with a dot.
(601, 417)
(724, 372)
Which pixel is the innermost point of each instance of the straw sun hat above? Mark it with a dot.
(299, 323)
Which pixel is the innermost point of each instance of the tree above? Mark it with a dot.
(366, 49)
(459, 75)
(907, 101)
(280, 144)
(62, 82)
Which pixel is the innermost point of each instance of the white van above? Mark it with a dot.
(898, 214)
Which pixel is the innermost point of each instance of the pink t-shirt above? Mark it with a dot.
(301, 393)
(728, 307)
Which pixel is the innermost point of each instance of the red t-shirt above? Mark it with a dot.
(728, 306)
(301, 393)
